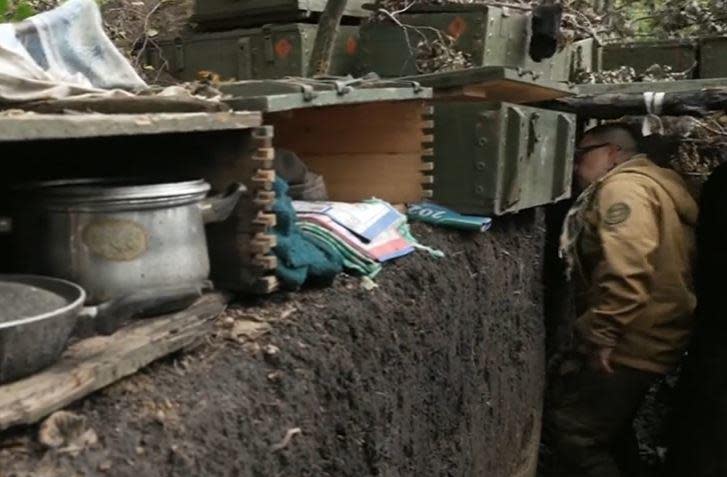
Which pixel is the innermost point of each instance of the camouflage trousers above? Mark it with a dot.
(590, 420)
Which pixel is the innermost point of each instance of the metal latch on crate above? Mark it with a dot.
(244, 59)
(269, 48)
(178, 54)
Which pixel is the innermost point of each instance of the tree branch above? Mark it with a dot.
(320, 59)
(616, 105)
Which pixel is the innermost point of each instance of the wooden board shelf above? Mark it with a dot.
(94, 363)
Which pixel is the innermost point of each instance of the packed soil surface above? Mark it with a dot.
(696, 437)
(438, 371)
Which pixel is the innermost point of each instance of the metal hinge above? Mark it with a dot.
(269, 47)
(179, 54)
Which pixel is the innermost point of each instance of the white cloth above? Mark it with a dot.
(60, 53)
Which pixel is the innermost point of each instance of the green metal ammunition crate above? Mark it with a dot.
(496, 158)
(680, 55)
(489, 36)
(585, 56)
(274, 51)
(221, 14)
(713, 57)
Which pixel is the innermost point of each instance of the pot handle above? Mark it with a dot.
(218, 208)
(107, 317)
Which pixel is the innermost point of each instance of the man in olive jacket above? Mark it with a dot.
(629, 245)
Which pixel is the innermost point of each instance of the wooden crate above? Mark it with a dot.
(493, 156)
(368, 142)
(167, 147)
(680, 55)
(713, 57)
(500, 158)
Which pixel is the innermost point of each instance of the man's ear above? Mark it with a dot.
(614, 155)
(615, 151)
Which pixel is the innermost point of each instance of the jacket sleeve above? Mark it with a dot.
(629, 234)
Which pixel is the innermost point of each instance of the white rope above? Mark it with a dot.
(654, 103)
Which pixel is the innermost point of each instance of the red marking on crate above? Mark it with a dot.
(457, 27)
(283, 48)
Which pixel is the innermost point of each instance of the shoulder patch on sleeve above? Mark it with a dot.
(618, 213)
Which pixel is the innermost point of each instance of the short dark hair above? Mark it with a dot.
(621, 134)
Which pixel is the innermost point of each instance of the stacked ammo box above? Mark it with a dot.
(486, 35)
(491, 157)
(696, 58)
(255, 39)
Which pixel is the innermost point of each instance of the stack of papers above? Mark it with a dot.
(369, 229)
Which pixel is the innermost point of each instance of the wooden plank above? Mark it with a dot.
(94, 363)
(657, 86)
(266, 219)
(264, 199)
(395, 178)
(266, 262)
(362, 151)
(263, 179)
(267, 285)
(616, 105)
(488, 74)
(30, 126)
(296, 101)
(450, 7)
(262, 244)
(499, 91)
(122, 104)
(370, 128)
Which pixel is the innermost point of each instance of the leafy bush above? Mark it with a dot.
(15, 11)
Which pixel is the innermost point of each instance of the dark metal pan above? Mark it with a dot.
(39, 315)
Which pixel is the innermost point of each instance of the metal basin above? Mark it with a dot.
(38, 315)
(32, 342)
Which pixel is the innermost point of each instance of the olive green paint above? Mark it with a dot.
(496, 158)
(489, 36)
(680, 55)
(220, 14)
(713, 57)
(273, 51)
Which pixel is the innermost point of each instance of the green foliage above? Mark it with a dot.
(669, 18)
(23, 10)
(16, 11)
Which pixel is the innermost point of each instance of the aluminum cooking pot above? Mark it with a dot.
(116, 237)
(39, 314)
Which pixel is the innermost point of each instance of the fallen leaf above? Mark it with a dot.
(67, 432)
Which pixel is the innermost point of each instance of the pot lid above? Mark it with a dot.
(113, 192)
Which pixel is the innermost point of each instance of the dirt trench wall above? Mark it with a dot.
(438, 371)
(697, 442)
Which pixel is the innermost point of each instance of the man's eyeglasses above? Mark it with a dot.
(582, 151)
